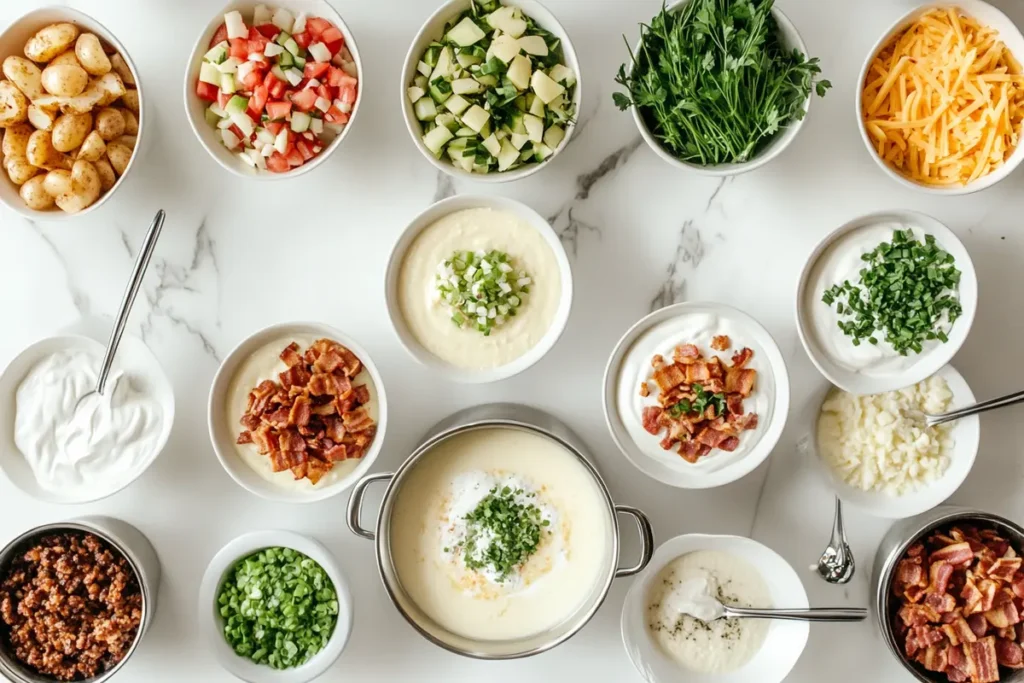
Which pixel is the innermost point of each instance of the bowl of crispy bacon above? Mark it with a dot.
(297, 412)
(950, 596)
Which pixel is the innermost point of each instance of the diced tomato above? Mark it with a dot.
(338, 78)
(347, 94)
(277, 163)
(277, 111)
(252, 79)
(237, 131)
(332, 35)
(315, 69)
(275, 85)
(324, 91)
(258, 44)
(305, 149)
(220, 35)
(335, 115)
(260, 94)
(303, 39)
(274, 127)
(206, 91)
(317, 25)
(268, 31)
(222, 98)
(294, 157)
(304, 99)
(239, 48)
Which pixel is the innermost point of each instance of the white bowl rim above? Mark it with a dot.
(854, 382)
(199, 49)
(394, 265)
(82, 20)
(984, 182)
(538, 12)
(692, 542)
(72, 339)
(775, 147)
(732, 472)
(226, 452)
(225, 560)
(878, 504)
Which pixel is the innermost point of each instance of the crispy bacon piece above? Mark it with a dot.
(1004, 568)
(981, 660)
(244, 437)
(686, 353)
(290, 356)
(742, 357)
(939, 574)
(955, 553)
(958, 631)
(740, 380)
(721, 342)
(668, 377)
(650, 418)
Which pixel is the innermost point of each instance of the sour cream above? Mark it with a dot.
(842, 261)
(479, 229)
(97, 448)
(696, 582)
(697, 328)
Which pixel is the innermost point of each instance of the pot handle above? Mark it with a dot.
(643, 525)
(355, 504)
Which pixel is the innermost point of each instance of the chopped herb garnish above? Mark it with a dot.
(701, 401)
(481, 289)
(503, 531)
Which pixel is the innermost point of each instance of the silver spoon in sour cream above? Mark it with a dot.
(693, 597)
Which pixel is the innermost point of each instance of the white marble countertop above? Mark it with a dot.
(235, 257)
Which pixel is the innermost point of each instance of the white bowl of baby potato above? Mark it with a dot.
(70, 94)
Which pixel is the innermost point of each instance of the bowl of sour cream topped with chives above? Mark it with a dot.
(61, 452)
(885, 301)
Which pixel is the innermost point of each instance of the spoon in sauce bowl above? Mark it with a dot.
(694, 599)
(926, 420)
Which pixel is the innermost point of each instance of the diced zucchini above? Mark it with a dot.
(448, 120)
(425, 109)
(553, 136)
(534, 105)
(218, 53)
(440, 91)
(519, 72)
(507, 156)
(235, 25)
(436, 138)
(432, 54)
(300, 122)
(208, 73)
(534, 127)
(516, 124)
(519, 139)
(466, 133)
(547, 90)
(467, 86)
(423, 68)
(227, 83)
(534, 45)
(504, 47)
(420, 82)
(456, 146)
(492, 145)
(476, 117)
(465, 33)
(509, 20)
(456, 104)
(283, 19)
(466, 59)
(443, 67)
(560, 73)
(542, 152)
(415, 93)
(487, 80)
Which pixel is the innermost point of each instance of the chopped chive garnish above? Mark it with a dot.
(481, 290)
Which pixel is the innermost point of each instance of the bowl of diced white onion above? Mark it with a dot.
(284, 14)
(880, 458)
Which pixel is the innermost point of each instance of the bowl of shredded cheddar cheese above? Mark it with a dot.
(941, 98)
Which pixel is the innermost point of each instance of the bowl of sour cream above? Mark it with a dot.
(867, 260)
(58, 451)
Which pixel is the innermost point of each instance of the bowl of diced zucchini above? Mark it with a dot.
(491, 88)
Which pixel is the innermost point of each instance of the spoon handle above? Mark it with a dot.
(130, 293)
(838, 528)
(811, 614)
(981, 407)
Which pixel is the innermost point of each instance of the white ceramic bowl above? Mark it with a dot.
(1008, 33)
(211, 623)
(719, 468)
(434, 213)
(12, 42)
(929, 363)
(965, 432)
(782, 646)
(791, 39)
(223, 438)
(133, 355)
(195, 108)
(432, 30)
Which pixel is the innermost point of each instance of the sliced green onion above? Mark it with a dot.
(481, 289)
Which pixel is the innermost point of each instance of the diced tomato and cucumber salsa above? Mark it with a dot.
(494, 92)
(279, 88)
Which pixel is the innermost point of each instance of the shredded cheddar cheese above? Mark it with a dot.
(943, 101)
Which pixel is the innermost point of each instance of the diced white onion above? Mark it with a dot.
(319, 52)
(322, 104)
(272, 50)
(235, 25)
(300, 23)
(256, 57)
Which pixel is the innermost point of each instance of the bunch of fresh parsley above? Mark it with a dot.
(714, 82)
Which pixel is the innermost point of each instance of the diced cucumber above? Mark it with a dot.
(300, 122)
(487, 80)
(521, 104)
(443, 67)
(560, 73)
(278, 72)
(476, 117)
(542, 152)
(467, 59)
(553, 136)
(235, 25)
(420, 82)
(283, 19)
(526, 154)
(507, 156)
(547, 90)
(227, 83)
(285, 59)
(436, 139)
(261, 14)
(534, 45)
(218, 53)
(504, 47)
(465, 33)
(457, 145)
(456, 104)
(519, 72)
(414, 93)
(319, 52)
(492, 145)
(467, 86)
(423, 68)
(432, 54)
(466, 133)
(425, 109)
(292, 46)
(448, 120)
(519, 139)
(516, 124)
(534, 127)
(281, 141)
(236, 105)
(466, 163)
(298, 62)
(208, 73)
(211, 117)
(229, 65)
(283, 37)
(534, 105)
(440, 91)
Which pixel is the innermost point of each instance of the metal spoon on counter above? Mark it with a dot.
(130, 292)
(836, 564)
(927, 420)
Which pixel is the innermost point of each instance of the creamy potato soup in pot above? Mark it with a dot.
(499, 533)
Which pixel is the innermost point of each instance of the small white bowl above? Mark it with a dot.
(985, 14)
(782, 647)
(12, 42)
(132, 355)
(719, 468)
(211, 624)
(965, 432)
(224, 439)
(434, 213)
(195, 108)
(432, 30)
(928, 364)
(791, 39)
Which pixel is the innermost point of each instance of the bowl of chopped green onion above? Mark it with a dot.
(275, 607)
(491, 88)
(720, 87)
(885, 301)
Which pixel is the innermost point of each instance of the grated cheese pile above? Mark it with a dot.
(943, 101)
(873, 445)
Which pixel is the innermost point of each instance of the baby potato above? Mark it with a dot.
(111, 87)
(34, 195)
(67, 57)
(65, 80)
(120, 67)
(13, 105)
(57, 182)
(50, 41)
(131, 100)
(16, 140)
(119, 156)
(86, 188)
(128, 141)
(110, 124)
(40, 152)
(93, 148)
(91, 55)
(25, 76)
(19, 170)
(107, 176)
(81, 104)
(131, 123)
(41, 118)
(70, 131)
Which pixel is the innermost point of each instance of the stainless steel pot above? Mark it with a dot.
(895, 543)
(122, 537)
(511, 416)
